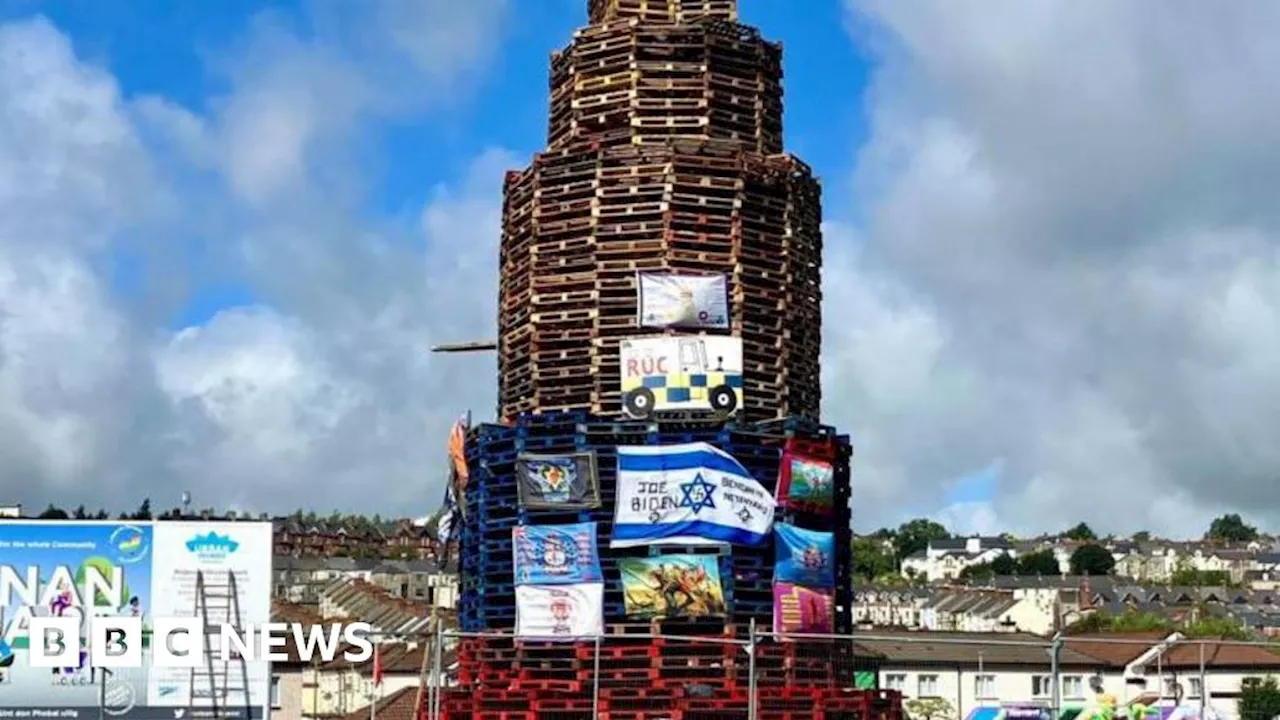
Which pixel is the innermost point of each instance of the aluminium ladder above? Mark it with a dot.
(218, 604)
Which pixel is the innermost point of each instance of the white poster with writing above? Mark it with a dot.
(559, 612)
(688, 301)
(227, 556)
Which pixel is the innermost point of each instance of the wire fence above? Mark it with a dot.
(630, 672)
(918, 675)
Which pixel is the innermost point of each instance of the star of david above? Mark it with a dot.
(697, 494)
(744, 515)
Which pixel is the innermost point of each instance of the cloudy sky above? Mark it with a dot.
(230, 231)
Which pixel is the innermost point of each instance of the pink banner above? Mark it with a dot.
(799, 609)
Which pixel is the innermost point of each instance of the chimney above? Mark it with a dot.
(1085, 599)
(973, 545)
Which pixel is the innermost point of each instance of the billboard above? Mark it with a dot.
(140, 569)
(681, 372)
(683, 301)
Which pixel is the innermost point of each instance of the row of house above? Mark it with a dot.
(302, 580)
(1255, 563)
(307, 689)
(323, 538)
(969, 674)
(1045, 605)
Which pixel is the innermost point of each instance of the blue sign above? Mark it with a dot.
(556, 554)
(804, 557)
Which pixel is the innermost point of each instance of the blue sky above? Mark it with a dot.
(179, 50)
(175, 49)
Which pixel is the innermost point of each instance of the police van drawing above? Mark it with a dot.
(696, 372)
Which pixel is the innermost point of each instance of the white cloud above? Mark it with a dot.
(321, 394)
(1070, 194)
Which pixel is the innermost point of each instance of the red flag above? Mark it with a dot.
(377, 666)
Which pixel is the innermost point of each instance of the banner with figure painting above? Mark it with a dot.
(806, 483)
(798, 609)
(567, 480)
(672, 586)
(804, 557)
(556, 554)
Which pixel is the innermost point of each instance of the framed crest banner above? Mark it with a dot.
(566, 480)
(556, 554)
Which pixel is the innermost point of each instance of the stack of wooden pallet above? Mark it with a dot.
(665, 154)
(633, 82)
(487, 601)
(659, 678)
(662, 10)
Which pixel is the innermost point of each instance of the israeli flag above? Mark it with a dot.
(690, 494)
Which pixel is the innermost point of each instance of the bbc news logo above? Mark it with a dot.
(116, 642)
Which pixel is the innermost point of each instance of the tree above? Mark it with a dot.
(915, 535)
(1192, 577)
(1259, 698)
(870, 560)
(80, 513)
(1002, 564)
(144, 510)
(1041, 562)
(1134, 621)
(1129, 621)
(933, 708)
(1231, 528)
(1142, 536)
(1092, 560)
(1080, 532)
(52, 513)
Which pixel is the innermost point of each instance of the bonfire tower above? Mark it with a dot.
(664, 155)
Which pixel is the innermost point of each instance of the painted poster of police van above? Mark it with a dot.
(681, 373)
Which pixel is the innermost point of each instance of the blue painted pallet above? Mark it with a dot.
(553, 517)
(549, 444)
(499, 460)
(616, 429)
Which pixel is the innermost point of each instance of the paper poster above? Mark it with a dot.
(556, 554)
(672, 586)
(689, 494)
(559, 612)
(804, 557)
(806, 482)
(685, 301)
(799, 609)
(558, 481)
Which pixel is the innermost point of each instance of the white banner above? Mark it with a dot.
(689, 301)
(559, 612)
(690, 494)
